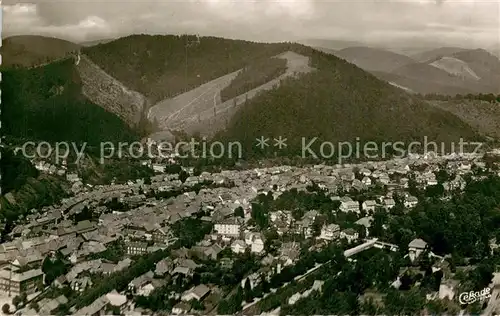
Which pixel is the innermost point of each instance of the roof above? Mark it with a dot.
(19, 277)
(116, 299)
(200, 291)
(417, 243)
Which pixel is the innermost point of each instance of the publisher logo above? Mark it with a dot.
(472, 297)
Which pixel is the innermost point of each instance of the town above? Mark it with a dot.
(251, 241)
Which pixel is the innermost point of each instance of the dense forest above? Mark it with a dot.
(490, 97)
(46, 104)
(164, 66)
(339, 102)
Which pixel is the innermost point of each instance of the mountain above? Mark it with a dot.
(484, 64)
(417, 84)
(436, 53)
(32, 50)
(460, 72)
(374, 59)
(47, 103)
(339, 102)
(106, 92)
(161, 67)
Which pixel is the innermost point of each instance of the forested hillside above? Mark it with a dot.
(340, 102)
(46, 104)
(163, 66)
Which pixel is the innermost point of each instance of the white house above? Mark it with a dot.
(255, 241)
(367, 181)
(238, 246)
(197, 293)
(411, 201)
(228, 227)
(350, 206)
(330, 232)
(350, 234)
(415, 248)
(369, 205)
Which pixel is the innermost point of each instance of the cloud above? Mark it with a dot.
(450, 22)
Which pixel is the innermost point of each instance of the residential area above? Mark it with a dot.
(261, 241)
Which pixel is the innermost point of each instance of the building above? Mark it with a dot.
(411, 201)
(229, 227)
(350, 206)
(330, 232)
(389, 203)
(369, 205)
(197, 293)
(255, 241)
(137, 248)
(350, 234)
(13, 283)
(415, 248)
(238, 246)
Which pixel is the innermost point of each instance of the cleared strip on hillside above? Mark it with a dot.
(254, 76)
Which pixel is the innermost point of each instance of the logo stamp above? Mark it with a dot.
(471, 297)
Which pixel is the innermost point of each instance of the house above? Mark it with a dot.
(367, 181)
(350, 234)
(164, 266)
(197, 293)
(47, 306)
(415, 248)
(447, 289)
(13, 283)
(136, 284)
(366, 222)
(101, 305)
(229, 227)
(117, 300)
(368, 205)
(80, 285)
(330, 232)
(238, 246)
(349, 206)
(181, 308)
(389, 203)
(289, 252)
(410, 201)
(255, 241)
(136, 248)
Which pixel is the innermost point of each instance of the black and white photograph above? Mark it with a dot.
(250, 157)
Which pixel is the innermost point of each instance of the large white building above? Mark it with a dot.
(229, 227)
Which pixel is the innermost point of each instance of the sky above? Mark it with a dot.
(464, 23)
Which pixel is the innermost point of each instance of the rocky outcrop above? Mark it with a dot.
(104, 90)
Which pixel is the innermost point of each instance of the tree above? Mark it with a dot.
(6, 309)
(248, 291)
(238, 212)
(24, 298)
(183, 175)
(16, 301)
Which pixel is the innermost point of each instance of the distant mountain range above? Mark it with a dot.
(141, 85)
(446, 70)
